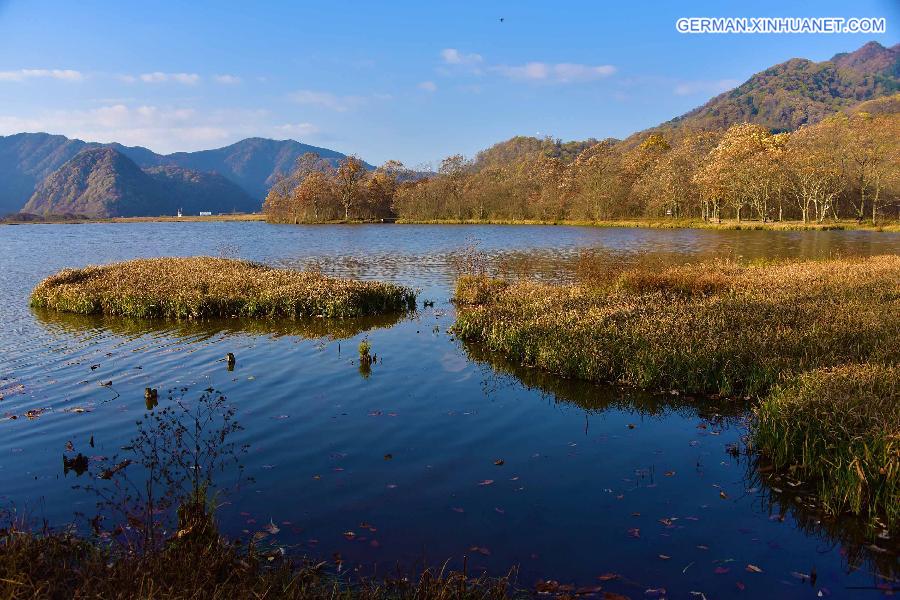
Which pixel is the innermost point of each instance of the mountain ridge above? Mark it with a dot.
(102, 182)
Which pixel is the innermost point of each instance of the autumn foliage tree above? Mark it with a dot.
(846, 166)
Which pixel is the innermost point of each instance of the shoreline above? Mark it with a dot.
(725, 225)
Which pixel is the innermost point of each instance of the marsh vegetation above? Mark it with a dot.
(205, 287)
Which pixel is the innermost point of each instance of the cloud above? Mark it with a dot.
(428, 86)
(555, 72)
(162, 128)
(452, 56)
(327, 100)
(472, 63)
(687, 88)
(296, 129)
(23, 74)
(227, 79)
(160, 77)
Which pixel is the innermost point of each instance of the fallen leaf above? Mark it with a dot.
(486, 482)
(754, 569)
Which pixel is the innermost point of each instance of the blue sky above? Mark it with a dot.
(413, 81)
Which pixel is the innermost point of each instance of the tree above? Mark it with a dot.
(871, 150)
(812, 169)
(348, 178)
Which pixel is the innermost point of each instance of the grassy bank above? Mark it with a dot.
(708, 328)
(724, 225)
(62, 566)
(840, 429)
(203, 287)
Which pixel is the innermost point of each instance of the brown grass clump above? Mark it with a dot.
(204, 287)
(711, 327)
(840, 429)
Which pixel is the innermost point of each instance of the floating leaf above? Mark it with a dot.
(754, 569)
(486, 482)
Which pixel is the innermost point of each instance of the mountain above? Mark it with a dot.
(104, 182)
(252, 163)
(26, 159)
(799, 92)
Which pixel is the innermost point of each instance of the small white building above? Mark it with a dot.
(205, 213)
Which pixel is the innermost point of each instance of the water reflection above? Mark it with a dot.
(197, 331)
(162, 484)
(863, 544)
(596, 398)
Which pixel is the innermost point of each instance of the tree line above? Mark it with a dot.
(845, 167)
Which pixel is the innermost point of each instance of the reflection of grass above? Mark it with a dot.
(712, 327)
(598, 398)
(311, 328)
(203, 287)
(839, 428)
(782, 495)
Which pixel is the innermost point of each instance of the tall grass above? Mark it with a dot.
(718, 327)
(839, 429)
(204, 287)
(62, 566)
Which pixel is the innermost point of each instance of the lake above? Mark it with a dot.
(441, 451)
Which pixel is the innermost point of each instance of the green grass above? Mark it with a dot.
(204, 287)
(838, 429)
(705, 328)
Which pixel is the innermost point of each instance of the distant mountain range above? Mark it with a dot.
(34, 164)
(51, 174)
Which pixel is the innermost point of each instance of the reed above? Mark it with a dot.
(838, 429)
(715, 327)
(204, 287)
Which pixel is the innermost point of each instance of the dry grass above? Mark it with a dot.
(203, 287)
(840, 429)
(709, 328)
(726, 224)
(61, 566)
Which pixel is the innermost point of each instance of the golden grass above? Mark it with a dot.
(839, 428)
(713, 327)
(725, 225)
(204, 287)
